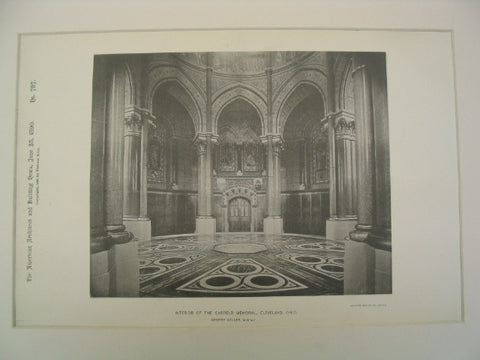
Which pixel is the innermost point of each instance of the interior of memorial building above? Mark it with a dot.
(240, 174)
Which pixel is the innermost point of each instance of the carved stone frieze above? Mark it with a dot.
(239, 191)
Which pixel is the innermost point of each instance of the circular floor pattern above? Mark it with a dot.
(338, 261)
(144, 262)
(170, 247)
(144, 251)
(240, 248)
(171, 260)
(330, 268)
(219, 282)
(242, 269)
(309, 246)
(151, 270)
(269, 281)
(335, 247)
(309, 259)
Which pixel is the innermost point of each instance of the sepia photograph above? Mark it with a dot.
(254, 180)
(228, 174)
(206, 179)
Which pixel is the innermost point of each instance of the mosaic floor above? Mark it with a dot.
(240, 264)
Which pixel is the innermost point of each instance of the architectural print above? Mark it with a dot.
(240, 174)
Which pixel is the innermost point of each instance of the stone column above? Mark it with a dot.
(344, 219)
(123, 255)
(135, 192)
(273, 223)
(365, 153)
(333, 164)
(205, 222)
(367, 255)
(99, 239)
(114, 152)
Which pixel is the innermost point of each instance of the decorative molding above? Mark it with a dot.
(239, 191)
(276, 141)
(202, 140)
(345, 129)
(135, 117)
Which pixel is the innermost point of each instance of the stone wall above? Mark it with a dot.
(305, 212)
(172, 212)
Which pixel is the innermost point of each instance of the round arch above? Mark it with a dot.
(239, 192)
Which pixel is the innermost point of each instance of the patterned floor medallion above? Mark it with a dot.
(240, 248)
(328, 266)
(241, 276)
(240, 264)
(325, 246)
(174, 247)
(151, 267)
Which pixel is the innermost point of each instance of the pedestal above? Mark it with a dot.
(359, 268)
(141, 228)
(273, 225)
(383, 271)
(206, 225)
(125, 274)
(338, 229)
(99, 274)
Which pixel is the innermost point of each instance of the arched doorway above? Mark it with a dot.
(239, 215)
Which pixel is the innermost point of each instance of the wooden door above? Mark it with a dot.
(239, 215)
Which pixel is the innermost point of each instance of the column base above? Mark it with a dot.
(206, 225)
(273, 225)
(141, 228)
(367, 270)
(340, 228)
(115, 272)
(118, 234)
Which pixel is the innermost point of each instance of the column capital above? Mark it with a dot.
(343, 123)
(276, 140)
(206, 137)
(202, 140)
(135, 117)
(345, 129)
